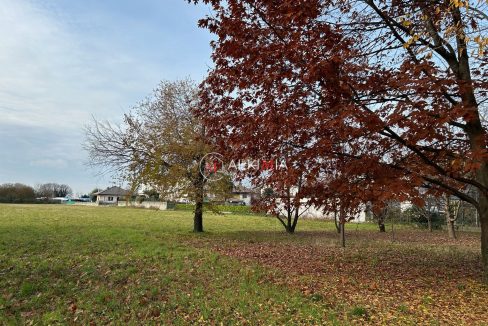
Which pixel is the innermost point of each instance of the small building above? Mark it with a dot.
(243, 196)
(112, 196)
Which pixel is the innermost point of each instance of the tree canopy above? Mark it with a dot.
(161, 144)
(376, 98)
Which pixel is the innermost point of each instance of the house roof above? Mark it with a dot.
(114, 191)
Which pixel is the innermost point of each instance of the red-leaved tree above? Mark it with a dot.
(371, 94)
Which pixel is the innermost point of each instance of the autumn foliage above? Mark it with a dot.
(368, 100)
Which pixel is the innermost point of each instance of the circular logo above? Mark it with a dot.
(212, 166)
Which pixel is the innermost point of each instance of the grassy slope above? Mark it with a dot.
(76, 265)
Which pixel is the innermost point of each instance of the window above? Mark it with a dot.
(110, 198)
(244, 195)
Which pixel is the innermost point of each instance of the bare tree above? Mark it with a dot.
(431, 207)
(454, 208)
(382, 211)
(51, 190)
(286, 202)
(160, 144)
(63, 190)
(380, 214)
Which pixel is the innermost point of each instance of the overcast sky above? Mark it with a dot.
(63, 61)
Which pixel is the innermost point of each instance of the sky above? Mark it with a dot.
(64, 62)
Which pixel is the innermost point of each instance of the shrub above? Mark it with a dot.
(140, 199)
(436, 219)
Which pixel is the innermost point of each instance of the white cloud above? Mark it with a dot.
(64, 61)
(54, 75)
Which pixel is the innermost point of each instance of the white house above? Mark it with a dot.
(111, 195)
(243, 195)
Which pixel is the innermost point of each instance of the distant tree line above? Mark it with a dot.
(16, 193)
(52, 190)
(21, 193)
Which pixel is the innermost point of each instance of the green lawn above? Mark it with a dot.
(82, 265)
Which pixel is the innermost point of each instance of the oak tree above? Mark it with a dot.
(374, 94)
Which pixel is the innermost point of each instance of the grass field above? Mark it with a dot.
(82, 265)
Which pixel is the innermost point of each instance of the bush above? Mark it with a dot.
(140, 199)
(45, 201)
(436, 219)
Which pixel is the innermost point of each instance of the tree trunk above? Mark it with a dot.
(290, 228)
(295, 219)
(450, 229)
(484, 245)
(381, 223)
(342, 234)
(199, 197)
(483, 214)
(198, 218)
(429, 222)
(338, 227)
(449, 219)
(475, 131)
